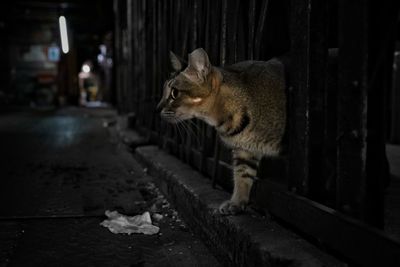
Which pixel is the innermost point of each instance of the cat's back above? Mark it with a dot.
(257, 78)
(259, 88)
(261, 81)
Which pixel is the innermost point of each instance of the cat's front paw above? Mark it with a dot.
(231, 208)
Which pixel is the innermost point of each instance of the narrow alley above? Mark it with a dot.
(60, 171)
(180, 133)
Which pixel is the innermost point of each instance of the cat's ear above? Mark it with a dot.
(176, 62)
(199, 65)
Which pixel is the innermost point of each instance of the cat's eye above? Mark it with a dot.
(174, 93)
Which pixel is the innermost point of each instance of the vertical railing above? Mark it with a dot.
(352, 108)
(237, 30)
(299, 98)
(326, 149)
(394, 103)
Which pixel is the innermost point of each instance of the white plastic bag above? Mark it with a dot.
(121, 224)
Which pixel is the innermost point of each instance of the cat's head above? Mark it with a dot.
(189, 92)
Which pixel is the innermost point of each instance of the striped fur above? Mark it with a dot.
(246, 104)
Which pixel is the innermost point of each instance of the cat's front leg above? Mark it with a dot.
(245, 166)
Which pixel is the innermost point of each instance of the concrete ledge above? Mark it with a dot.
(244, 240)
(124, 126)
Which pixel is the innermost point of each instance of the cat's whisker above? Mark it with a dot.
(178, 128)
(180, 132)
(176, 133)
(184, 128)
(180, 124)
(195, 125)
(198, 130)
(192, 132)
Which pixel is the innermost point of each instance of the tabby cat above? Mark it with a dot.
(246, 104)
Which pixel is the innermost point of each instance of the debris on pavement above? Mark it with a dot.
(157, 216)
(162, 213)
(121, 224)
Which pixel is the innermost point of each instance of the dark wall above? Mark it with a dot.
(30, 28)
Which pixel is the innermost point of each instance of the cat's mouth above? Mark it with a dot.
(173, 117)
(169, 118)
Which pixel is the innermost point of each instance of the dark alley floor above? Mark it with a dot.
(60, 170)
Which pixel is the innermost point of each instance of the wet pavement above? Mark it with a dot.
(59, 172)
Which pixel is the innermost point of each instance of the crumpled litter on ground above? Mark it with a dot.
(157, 217)
(118, 223)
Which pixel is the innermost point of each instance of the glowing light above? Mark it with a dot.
(86, 68)
(64, 35)
(100, 58)
(103, 49)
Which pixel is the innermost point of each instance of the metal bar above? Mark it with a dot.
(395, 105)
(194, 25)
(155, 64)
(352, 107)
(222, 43)
(330, 119)
(231, 32)
(215, 10)
(159, 77)
(250, 40)
(241, 42)
(222, 63)
(134, 51)
(260, 28)
(185, 28)
(382, 21)
(117, 56)
(196, 125)
(191, 138)
(129, 18)
(318, 49)
(143, 59)
(207, 26)
(204, 147)
(298, 120)
(176, 29)
(207, 142)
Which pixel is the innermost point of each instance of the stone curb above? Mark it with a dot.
(242, 240)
